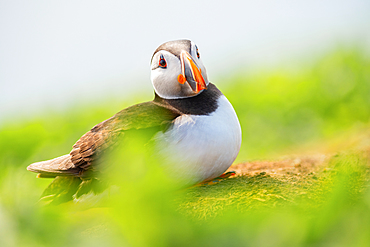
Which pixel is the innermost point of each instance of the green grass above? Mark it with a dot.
(281, 112)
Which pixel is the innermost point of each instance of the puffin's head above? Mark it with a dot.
(177, 70)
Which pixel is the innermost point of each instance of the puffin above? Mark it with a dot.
(194, 129)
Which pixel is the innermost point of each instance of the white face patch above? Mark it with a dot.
(164, 80)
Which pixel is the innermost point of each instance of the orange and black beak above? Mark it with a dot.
(191, 73)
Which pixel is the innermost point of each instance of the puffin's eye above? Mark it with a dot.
(162, 62)
(198, 55)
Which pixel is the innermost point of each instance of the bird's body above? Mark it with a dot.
(202, 146)
(196, 133)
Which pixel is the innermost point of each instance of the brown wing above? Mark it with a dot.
(103, 136)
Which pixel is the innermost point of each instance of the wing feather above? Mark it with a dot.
(104, 136)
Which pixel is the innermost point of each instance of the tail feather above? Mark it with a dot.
(68, 185)
(59, 166)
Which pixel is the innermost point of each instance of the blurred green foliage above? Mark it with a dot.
(282, 109)
(278, 110)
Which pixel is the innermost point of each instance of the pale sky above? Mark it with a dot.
(53, 53)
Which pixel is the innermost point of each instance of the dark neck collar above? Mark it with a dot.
(203, 104)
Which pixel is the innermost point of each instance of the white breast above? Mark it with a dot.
(198, 148)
